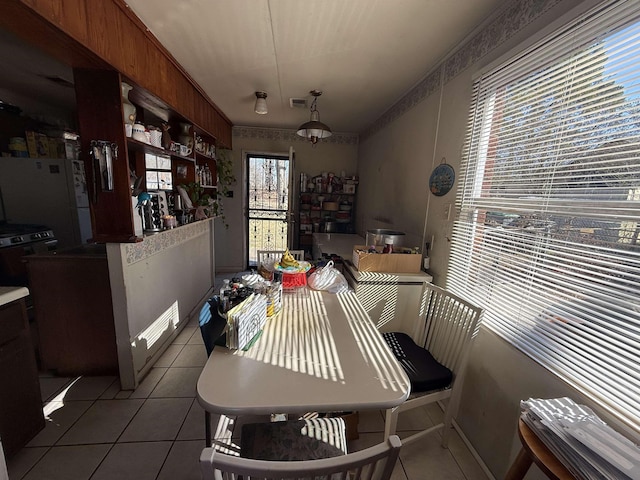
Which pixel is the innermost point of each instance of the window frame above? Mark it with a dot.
(470, 236)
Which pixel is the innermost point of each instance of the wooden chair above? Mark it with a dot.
(435, 362)
(375, 462)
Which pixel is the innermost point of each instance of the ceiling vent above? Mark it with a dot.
(298, 103)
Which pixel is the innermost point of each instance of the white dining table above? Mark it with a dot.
(321, 352)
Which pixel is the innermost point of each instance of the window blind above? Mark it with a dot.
(546, 236)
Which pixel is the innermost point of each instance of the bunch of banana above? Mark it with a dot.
(287, 260)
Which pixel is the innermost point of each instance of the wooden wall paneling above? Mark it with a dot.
(69, 15)
(131, 61)
(100, 117)
(29, 25)
(161, 76)
(106, 34)
(185, 97)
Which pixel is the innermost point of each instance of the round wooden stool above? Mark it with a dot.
(533, 450)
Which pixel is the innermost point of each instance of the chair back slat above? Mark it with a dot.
(450, 324)
(276, 255)
(373, 463)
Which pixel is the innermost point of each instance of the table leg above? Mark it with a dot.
(520, 466)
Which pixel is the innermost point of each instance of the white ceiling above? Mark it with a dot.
(363, 54)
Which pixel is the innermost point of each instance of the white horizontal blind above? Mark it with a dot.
(547, 236)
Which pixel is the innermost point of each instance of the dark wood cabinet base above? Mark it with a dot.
(72, 300)
(21, 416)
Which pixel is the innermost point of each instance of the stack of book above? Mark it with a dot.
(584, 443)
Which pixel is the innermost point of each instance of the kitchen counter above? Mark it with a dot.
(335, 243)
(11, 294)
(394, 301)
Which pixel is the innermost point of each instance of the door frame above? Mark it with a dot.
(290, 154)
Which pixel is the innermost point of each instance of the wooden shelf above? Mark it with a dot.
(138, 146)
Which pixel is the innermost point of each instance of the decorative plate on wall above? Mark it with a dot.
(442, 179)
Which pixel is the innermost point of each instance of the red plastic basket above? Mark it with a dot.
(291, 280)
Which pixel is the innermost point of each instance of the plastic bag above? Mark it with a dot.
(328, 278)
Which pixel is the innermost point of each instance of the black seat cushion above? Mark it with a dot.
(424, 371)
(293, 440)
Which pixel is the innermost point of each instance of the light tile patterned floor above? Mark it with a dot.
(95, 431)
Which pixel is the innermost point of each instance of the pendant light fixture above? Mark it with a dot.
(314, 129)
(261, 103)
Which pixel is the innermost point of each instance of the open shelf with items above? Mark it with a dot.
(206, 167)
(184, 156)
(327, 205)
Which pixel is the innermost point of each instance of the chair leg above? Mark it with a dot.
(390, 422)
(447, 423)
(207, 429)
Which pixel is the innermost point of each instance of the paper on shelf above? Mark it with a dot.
(584, 443)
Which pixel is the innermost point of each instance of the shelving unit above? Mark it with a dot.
(320, 211)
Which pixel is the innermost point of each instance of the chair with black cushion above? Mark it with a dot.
(375, 462)
(435, 360)
(302, 439)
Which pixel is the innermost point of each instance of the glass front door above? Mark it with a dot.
(269, 203)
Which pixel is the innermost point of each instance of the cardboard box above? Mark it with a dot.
(31, 143)
(348, 188)
(385, 262)
(42, 146)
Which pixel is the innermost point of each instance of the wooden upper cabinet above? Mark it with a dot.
(100, 118)
(110, 32)
(106, 44)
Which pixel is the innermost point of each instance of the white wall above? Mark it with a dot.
(394, 167)
(337, 153)
(157, 286)
(397, 155)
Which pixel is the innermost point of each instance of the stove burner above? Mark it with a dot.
(22, 234)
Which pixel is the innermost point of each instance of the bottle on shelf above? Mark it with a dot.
(225, 293)
(388, 245)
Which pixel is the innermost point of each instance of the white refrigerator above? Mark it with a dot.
(51, 192)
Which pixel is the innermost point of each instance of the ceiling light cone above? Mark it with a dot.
(261, 103)
(314, 129)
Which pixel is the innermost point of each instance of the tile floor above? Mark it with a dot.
(96, 431)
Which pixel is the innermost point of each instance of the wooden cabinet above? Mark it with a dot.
(72, 300)
(21, 416)
(106, 44)
(100, 114)
(107, 34)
